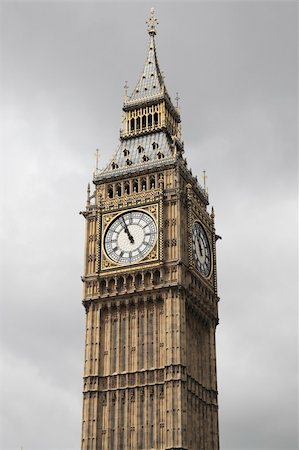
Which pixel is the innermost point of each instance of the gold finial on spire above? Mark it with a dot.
(151, 22)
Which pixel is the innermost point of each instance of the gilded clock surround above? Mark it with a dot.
(108, 218)
(150, 359)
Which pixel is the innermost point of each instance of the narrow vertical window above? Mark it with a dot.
(132, 124)
(118, 190)
(138, 280)
(110, 191)
(112, 418)
(143, 121)
(151, 340)
(135, 185)
(114, 345)
(127, 188)
(124, 337)
(141, 341)
(143, 184)
(152, 182)
(150, 120)
(122, 424)
(141, 422)
(151, 424)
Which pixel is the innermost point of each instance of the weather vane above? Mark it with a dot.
(177, 99)
(151, 22)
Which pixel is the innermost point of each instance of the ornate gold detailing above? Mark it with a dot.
(153, 210)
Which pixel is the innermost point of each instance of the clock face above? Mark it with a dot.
(201, 249)
(130, 237)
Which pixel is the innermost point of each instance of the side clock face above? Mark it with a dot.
(130, 237)
(201, 249)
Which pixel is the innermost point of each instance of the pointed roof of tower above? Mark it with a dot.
(148, 150)
(150, 83)
(139, 154)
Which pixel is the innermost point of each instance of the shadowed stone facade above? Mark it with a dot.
(150, 287)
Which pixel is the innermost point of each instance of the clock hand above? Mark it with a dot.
(128, 232)
(200, 249)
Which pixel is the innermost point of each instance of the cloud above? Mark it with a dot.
(64, 68)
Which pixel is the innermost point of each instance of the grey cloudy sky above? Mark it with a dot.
(63, 67)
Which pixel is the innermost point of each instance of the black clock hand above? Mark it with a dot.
(200, 247)
(128, 232)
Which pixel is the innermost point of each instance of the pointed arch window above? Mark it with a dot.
(156, 118)
(143, 184)
(153, 182)
(128, 162)
(150, 120)
(160, 155)
(140, 149)
(145, 158)
(129, 281)
(110, 191)
(103, 287)
(138, 280)
(135, 185)
(120, 284)
(155, 145)
(118, 190)
(114, 165)
(132, 124)
(127, 188)
(157, 277)
(147, 279)
(143, 121)
(138, 123)
(111, 285)
(126, 152)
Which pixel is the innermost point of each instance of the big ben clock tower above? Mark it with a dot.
(150, 287)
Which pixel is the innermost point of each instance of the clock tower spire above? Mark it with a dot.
(150, 286)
